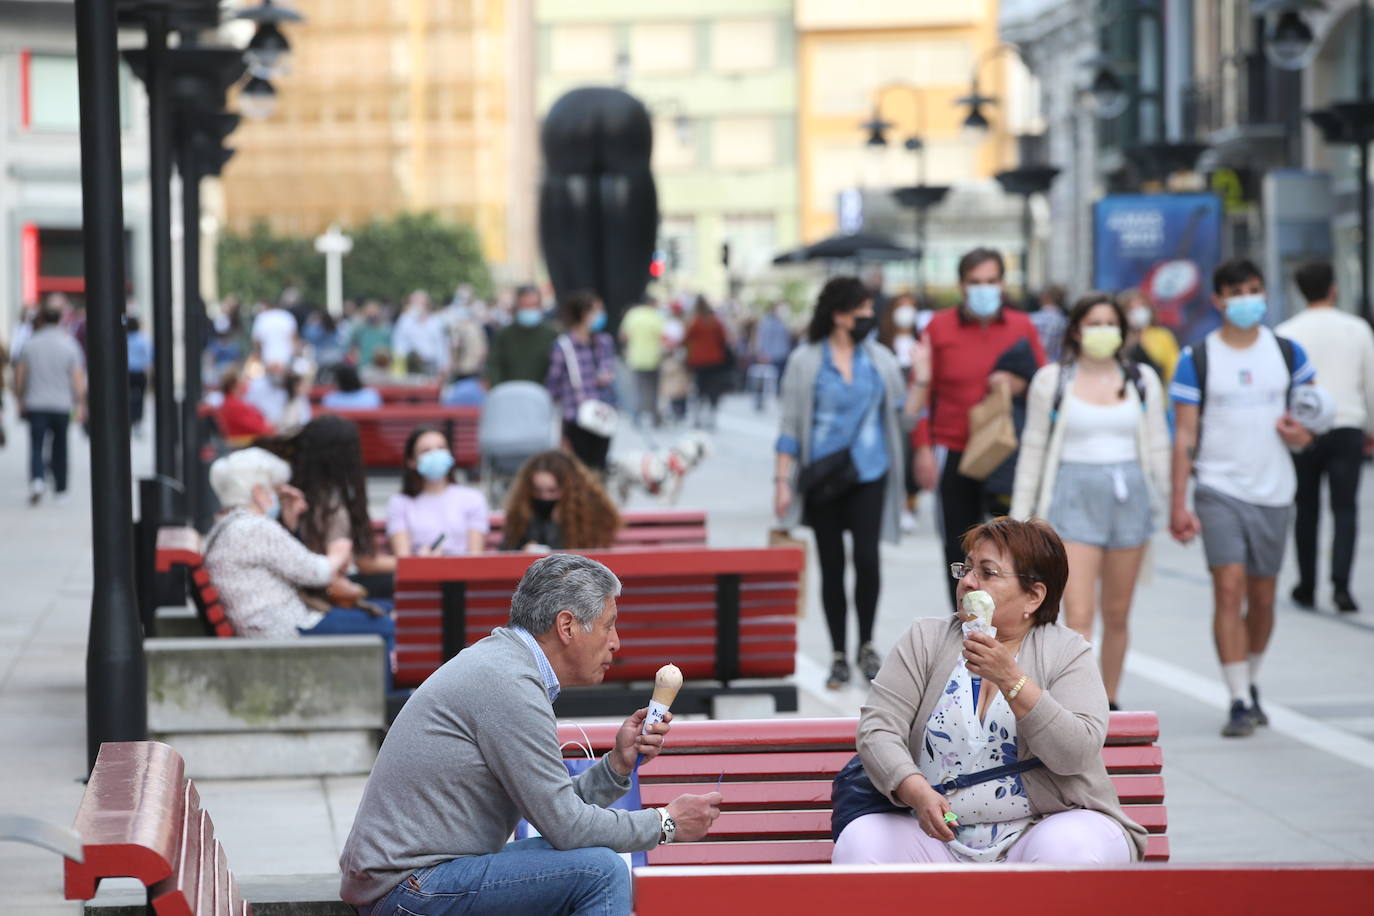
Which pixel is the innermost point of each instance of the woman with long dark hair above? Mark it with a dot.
(1095, 463)
(839, 457)
(555, 503)
(434, 515)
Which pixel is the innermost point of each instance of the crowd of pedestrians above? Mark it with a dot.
(1116, 433)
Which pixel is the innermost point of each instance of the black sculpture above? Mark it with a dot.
(598, 209)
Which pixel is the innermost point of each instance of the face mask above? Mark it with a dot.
(274, 510)
(1101, 342)
(543, 507)
(435, 464)
(984, 299)
(904, 316)
(1246, 311)
(599, 322)
(1141, 317)
(529, 318)
(861, 329)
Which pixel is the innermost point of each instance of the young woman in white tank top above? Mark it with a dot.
(1094, 462)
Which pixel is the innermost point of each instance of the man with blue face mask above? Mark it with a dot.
(965, 344)
(520, 351)
(1234, 433)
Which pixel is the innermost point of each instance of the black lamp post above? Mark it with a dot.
(1029, 177)
(116, 694)
(921, 196)
(1291, 45)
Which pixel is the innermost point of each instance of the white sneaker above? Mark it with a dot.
(36, 490)
(61, 499)
(908, 522)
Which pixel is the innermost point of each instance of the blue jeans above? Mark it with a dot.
(344, 621)
(42, 425)
(527, 876)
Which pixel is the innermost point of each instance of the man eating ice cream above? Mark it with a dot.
(476, 748)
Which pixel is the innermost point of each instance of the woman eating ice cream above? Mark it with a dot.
(1010, 769)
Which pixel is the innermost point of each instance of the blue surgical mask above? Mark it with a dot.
(599, 322)
(529, 318)
(274, 511)
(1246, 311)
(435, 464)
(984, 299)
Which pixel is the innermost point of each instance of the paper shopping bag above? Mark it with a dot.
(992, 435)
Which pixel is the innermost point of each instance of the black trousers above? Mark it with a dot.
(138, 390)
(589, 448)
(1337, 455)
(48, 427)
(963, 504)
(860, 512)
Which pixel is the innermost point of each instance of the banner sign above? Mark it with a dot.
(1168, 245)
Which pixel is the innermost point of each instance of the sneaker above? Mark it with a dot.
(839, 672)
(869, 661)
(61, 499)
(1112, 707)
(1255, 711)
(1304, 597)
(36, 490)
(908, 523)
(1241, 722)
(1344, 603)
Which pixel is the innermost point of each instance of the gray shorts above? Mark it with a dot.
(1102, 505)
(1234, 531)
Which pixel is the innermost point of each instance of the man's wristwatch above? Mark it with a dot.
(669, 826)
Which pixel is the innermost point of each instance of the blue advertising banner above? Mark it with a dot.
(1168, 245)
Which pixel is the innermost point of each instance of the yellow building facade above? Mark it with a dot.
(848, 49)
(395, 105)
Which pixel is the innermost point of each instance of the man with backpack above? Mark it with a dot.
(1235, 433)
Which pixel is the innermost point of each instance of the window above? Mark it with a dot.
(753, 239)
(739, 143)
(582, 50)
(53, 103)
(678, 234)
(744, 45)
(663, 48)
(843, 75)
(675, 143)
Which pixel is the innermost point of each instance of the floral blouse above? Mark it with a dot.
(994, 814)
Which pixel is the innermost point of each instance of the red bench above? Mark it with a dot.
(140, 817)
(776, 807)
(384, 432)
(639, 528)
(390, 394)
(182, 547)
(722, 615)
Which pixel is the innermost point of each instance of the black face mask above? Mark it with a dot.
(543, 507)
(861, 329)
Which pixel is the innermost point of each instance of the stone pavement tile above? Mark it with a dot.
(272, 826)
(342, 794)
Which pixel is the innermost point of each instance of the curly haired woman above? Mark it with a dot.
(555, 503)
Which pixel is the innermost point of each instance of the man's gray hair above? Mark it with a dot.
(562, 582)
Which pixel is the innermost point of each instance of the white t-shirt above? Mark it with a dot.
(1341, 347)
(275, 332)
(1241, 454)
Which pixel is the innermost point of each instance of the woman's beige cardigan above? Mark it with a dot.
(1066, 728)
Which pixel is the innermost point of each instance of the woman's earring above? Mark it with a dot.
(1026, 616)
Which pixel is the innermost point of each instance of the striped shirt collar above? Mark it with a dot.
(540, 659)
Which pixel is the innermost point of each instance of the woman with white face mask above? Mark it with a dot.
(899, 331)
(1094, 462)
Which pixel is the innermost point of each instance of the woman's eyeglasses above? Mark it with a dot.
(987, 574)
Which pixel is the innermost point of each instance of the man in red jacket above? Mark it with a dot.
(965, 343)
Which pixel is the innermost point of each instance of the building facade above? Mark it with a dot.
(40, 163)
(719, 80)
(915, 60)
(392, 106)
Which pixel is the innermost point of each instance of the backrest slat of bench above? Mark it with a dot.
(130, 817)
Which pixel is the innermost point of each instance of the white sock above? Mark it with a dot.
(1237, 675)
(1255, 659)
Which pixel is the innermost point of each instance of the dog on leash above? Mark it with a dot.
(658, 472)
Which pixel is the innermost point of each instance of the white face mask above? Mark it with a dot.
(1141, 316)
(904, 317)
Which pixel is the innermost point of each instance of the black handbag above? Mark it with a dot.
(852, 793)
(828, 478)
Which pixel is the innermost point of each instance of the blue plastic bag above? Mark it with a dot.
(628, 802)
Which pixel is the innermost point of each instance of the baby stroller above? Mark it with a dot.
(517, 423)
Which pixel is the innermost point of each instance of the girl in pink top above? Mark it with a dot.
(433, 515)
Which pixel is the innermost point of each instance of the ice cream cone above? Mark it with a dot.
(667, 683)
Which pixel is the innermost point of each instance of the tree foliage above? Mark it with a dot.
(390, 258)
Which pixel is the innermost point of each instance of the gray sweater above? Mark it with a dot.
(473, 750)
(1066, 728)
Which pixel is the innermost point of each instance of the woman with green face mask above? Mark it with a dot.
(1094, 462)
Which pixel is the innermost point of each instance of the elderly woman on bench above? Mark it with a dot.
(259, 568)
(991, 745)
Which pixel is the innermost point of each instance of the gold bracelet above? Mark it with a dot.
(1011, 694)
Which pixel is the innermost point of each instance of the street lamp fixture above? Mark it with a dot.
(268, 54)
(976, 123)
(257, 99)
(1289, 42)
(877, 129)
(1107, 91)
